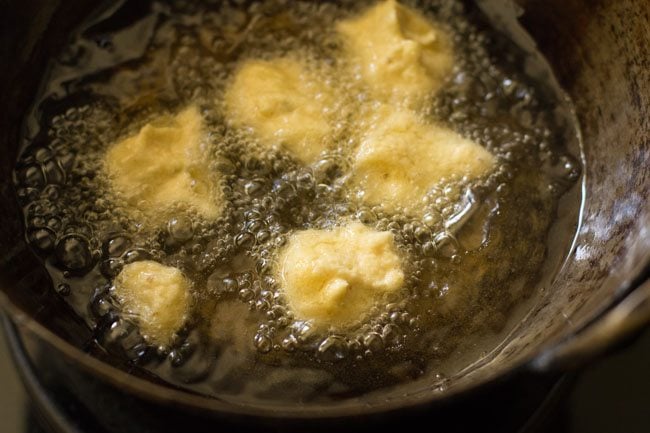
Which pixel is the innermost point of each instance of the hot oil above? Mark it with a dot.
(477, 257)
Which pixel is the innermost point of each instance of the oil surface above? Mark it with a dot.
(477, 255)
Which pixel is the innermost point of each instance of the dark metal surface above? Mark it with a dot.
(610, 395)
(57, 389)
(52, 396)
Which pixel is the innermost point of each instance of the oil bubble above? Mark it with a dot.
(333, 348)
(373, 342)
(180, 228)
(263, 343)
(32, 176)
(42, 239)
(111, 267)
(73, 253)
(117, 246)
(63, 289)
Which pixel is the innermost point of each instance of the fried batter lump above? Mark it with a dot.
(400, 55)
(157, 296)
(400, 158)
(284, 103)
(166, 167)
(332, 278)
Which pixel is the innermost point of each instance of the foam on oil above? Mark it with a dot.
(475, 256)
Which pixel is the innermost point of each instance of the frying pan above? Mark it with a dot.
(600, 53)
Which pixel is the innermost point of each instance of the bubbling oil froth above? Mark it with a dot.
(86, 236)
